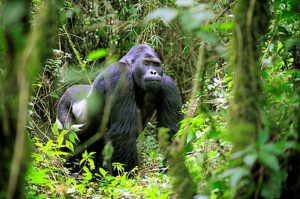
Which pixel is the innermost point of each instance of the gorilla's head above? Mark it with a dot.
(146, 67)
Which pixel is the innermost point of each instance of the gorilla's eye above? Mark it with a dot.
(151, 63)
(156, 64)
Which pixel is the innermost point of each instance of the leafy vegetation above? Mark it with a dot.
(236, 64)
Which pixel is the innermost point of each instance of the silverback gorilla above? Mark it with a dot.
(127, 93)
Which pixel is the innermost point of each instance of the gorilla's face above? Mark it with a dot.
(145, 66)
(147, 73)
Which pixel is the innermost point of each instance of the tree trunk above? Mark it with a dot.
(251, 22)
(20, 52)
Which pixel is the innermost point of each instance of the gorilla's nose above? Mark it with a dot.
(152, 75)
(153, 72)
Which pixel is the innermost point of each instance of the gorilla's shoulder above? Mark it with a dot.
(167, 81)
(115, 69)
(111, 74)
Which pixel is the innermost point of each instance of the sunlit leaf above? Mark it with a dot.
(53, 153)
(39, 144)
(85, 155)
(97, 54)
(40, 196)
(64, 132)
(70, 146)
(72, 137)
(86, 169)
(55, 128)
(250, 159)
(60, 139)
(165, 14)
(184, 3)
(48, 146)
(108, 151)
(193, 19)
(81, 161)
(70, 181)
(225, 26)
(91, 161)
(39, 176)
(102, 172)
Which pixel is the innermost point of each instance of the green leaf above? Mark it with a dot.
(228, 78)
(85, 155)
(108, 151)
(235, 175)
(64, 132)
(291, 42)
(91, 161)
(272, 188)
(75, 136)
(280, 45)
(86, 169)
(102, 172)
(263, 136)
(225, 26)
(39, 144)
(48, 146)
(97, 54)
(60, 139)
(40, 196)
(53, 153)
(211, 155)
(39, 177)
(70, 181)
(72, 137)
(212, 134)
(55, 128)
(88, 176)
(250, 159)
(270, 161)
(81, 161)
(70, 146)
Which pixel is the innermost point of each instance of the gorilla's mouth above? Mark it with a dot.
(153, 79)
(153, 83)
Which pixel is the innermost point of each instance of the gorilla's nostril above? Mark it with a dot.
(153, 72)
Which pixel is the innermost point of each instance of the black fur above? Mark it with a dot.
(132, 89)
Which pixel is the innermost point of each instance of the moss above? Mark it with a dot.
(251, 22)
(183, 185)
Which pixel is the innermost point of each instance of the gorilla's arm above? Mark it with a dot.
(168, 109)
(123, 130)
(72, 95)
(123, 121)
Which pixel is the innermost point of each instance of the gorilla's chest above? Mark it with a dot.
(147, 106)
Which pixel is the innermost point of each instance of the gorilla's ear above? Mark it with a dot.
(124, 60)
(128, 60)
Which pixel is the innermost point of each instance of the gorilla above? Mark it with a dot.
(120, 102)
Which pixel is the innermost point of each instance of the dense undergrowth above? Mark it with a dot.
(193, 40)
